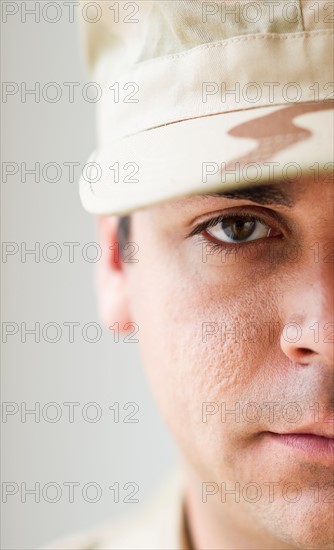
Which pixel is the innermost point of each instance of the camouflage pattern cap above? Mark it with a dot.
(205, 96)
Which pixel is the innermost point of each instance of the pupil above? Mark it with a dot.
(238, 229)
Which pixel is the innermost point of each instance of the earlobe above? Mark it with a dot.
(110, 278)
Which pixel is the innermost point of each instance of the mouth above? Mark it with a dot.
(314, 446)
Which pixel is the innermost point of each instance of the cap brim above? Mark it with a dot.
(219, 152)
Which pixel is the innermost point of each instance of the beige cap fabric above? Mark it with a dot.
(205, 96)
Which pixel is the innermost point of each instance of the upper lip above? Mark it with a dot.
(310, 430)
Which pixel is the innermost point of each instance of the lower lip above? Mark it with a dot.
(310, 445)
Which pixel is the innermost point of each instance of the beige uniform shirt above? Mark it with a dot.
(160, 526)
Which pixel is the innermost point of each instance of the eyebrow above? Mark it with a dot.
(265, 194)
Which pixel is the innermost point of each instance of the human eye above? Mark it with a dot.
(236, 228)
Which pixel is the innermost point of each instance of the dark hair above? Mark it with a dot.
(123, 232)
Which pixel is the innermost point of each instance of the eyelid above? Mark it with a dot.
(262, 215)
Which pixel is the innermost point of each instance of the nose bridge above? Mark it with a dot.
(308, 313)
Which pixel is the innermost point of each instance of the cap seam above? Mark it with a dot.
(302, 15)
(262, 106)
(228, 41)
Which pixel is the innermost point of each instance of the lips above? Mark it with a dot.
(311, 446)
(310, 430)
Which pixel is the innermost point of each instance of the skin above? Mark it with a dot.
(170, 292)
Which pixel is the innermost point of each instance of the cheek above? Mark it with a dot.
(191, 356)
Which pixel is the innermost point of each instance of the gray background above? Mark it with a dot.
(33, 292)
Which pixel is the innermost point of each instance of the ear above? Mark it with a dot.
(111, 280)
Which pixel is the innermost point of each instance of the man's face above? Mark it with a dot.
(244, 326)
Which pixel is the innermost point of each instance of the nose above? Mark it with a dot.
(308, 333)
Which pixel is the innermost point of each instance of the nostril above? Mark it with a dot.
(302, 356)
(305, 351)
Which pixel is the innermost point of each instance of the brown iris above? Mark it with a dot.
(238, 229)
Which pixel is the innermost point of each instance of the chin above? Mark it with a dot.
(307, 527)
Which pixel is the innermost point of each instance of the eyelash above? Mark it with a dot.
(215, 247)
